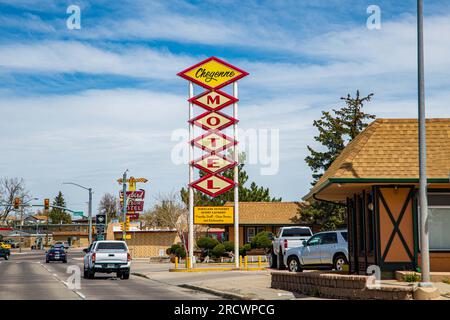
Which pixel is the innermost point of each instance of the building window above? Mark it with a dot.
(250, 234)
(260, 229)
(439, 221)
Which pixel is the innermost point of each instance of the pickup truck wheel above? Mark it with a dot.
(281, 265)
(6, 256)
(339, 261)
(294, 264)
(126, 275)
(85, 274)
(273, 260)
(91, 274)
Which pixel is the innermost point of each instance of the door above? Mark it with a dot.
(311, 251)
(328, 247)
(395, 228)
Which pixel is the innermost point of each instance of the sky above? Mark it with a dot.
(83, 105)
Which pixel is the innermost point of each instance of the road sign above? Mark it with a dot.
(128, 237)
(213, 100)
(213, 184)
(213, 163)
(78, 213)
(213, 73)
(213, 120)
(133, 215)
(214, 215)
(138, 194)
(213, 142)
(133, 205)
(100, 219)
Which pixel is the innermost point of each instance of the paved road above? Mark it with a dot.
(27, 276)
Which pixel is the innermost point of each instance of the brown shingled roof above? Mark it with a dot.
(388, 148)
(267, 213)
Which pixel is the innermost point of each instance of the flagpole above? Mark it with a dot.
(191, 179)
(236, 179)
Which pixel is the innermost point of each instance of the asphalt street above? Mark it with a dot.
(28, 277)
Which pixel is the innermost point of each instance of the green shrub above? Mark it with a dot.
(262, 241)
(177, 250)
(243, 250)
(219, 250)
(229, 246)
(411, 277)
(207, 243)
(446, 280)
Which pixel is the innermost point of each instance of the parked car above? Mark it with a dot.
(56, 254)
(107, 256)
(5, 245)
(324, 250)
(287, 238)
(4, 253)
(12, 243)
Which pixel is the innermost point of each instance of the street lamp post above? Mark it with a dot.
(423, 201)
(89, 207)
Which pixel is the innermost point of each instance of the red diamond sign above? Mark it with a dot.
(213, 163)
(213, 73)
(213, 185)
(213, 142)
(213, 100)
(213, 121)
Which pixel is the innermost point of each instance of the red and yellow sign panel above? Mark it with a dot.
(213, 100)
(214, 141)
(213, 215)
(213, 120)
(213, 163)
(213, 73)
(213, 185)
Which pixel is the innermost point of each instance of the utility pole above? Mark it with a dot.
(89, 207)
(191, 180)
(423, 201)
(236, 180)
(124, 205)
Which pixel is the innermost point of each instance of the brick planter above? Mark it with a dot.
(337, 286)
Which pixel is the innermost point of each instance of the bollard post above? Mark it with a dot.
(188, 260)
(245, 262)
(259, 261)
(240, 261)
(176, 262)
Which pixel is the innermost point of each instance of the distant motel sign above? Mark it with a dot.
(213, 74)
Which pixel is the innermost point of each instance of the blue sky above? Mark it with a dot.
(83, 105)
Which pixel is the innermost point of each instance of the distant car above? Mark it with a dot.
(324, 250)
(58, 246)
(4, 253)
(12, 243)
(56, 254)
(5, 245)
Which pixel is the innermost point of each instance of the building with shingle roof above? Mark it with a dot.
(376, 177)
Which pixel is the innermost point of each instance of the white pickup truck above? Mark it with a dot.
(107, 256)
(287, 238)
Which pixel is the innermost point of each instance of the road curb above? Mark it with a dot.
(222, 294)
(217, 269)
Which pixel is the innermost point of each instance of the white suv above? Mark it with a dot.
(324, 250)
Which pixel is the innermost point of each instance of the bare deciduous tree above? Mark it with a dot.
(169, 212)
(11, 188)
(109, 205)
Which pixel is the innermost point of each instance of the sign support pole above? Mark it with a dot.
(191, 179)
(236, 180)
(124, 207)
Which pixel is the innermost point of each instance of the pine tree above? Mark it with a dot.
(255, 193)
(58, 215)
(336, 129)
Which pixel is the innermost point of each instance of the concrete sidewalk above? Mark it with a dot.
(243, 285)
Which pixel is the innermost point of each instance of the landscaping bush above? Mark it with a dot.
(176, 250)
(218, 251)
(207, 243)
(229, 246)
(243, 250)
(411, 277)
(262, 241)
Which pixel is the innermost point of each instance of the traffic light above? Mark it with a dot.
(46, 204)
(16, 203)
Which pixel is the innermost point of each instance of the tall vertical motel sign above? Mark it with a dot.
(213, 74)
